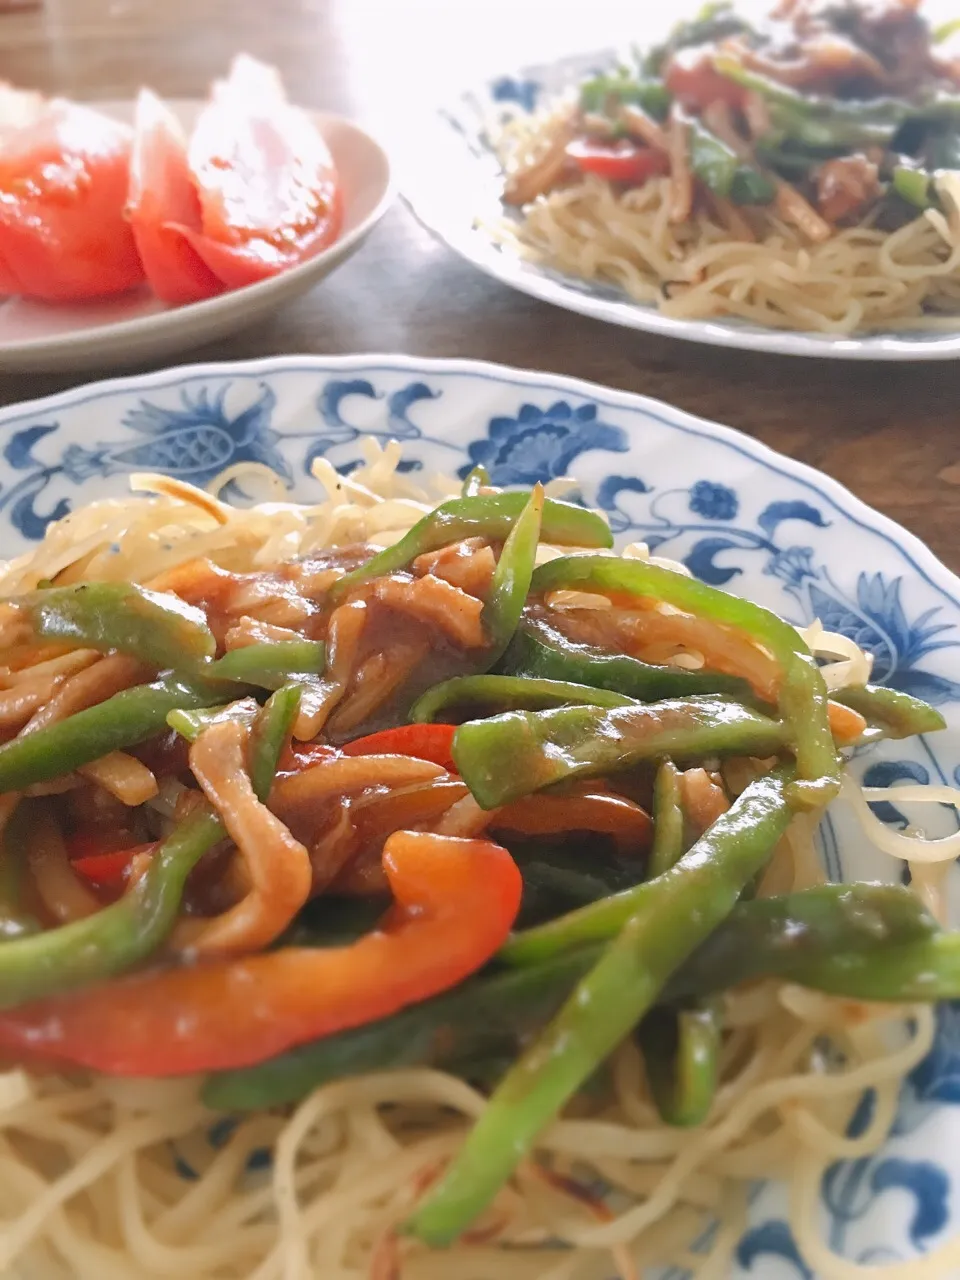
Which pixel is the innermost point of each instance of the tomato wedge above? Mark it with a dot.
(268, 189)
(63, 185)
(618, 162)
(163, 199)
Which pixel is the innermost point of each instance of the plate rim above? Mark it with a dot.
(160, 321)
(916, 552)
(477, 249)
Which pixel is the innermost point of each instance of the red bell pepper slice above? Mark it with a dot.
(454, 903)
(162, 195)
(433, 742)
(109, 869)
(269, 193)
(618, 162)
(63, 186)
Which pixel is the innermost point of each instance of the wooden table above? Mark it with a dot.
(888, 432)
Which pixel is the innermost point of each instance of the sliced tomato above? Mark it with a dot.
(433, 742)
(695, 82)
(162, 200)
(63, 186)
(618, 162)
(268, 189)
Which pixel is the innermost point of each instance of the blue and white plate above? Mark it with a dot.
(739, 515)
(450, 176)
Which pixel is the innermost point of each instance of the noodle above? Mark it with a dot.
(115, 1179)
(763, 270)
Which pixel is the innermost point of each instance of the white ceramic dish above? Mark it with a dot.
(450, 176)
(740, 516)
(38, 337)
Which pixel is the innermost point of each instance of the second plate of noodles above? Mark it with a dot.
(408, 890)
(786, 182)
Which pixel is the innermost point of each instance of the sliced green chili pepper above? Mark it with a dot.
(15, 920)
(756, 818)
(476, 480)
(680, 1047)
(271, 732)
(121, 721)
(667, 847)
(620, 86)
(896, 714)
(487, 515)
(269, 665)
(157, 628)
(681, 1052)
(508, 693)
(767, 937)
(803, 695)
(681, 910)
(751, 186)
(915, 186)
(927, 970)
(511, 579)
(540, 650)
(721, 169)
(115, 939)
(508, 756)
(190, 724)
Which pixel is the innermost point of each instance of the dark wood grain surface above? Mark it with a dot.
(888, 432)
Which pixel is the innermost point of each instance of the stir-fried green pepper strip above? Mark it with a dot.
(476, 480)
(721, 169)
(681, 1047)
(115, 939)
(540, 650)
(621, 86)
(15, 920)
(896, 714)
(121, 721)
(681, 1052)
(508, 693)
(511, 755)
(667, 847)
(158, 628)
(681, 909)
(803, 696)
(915, 186)
(927, 970)
(271, 731)
(510, 586)
(490, 516)
(755, 818)
(190, 724)
(768, 937)
(269, 665)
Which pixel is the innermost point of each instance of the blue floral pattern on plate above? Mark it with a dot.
(735, 513)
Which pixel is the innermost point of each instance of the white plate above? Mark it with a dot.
(450, 176)
(42, 337)
(740, 515)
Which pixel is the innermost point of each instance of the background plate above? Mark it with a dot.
(450, 176)
(739, 515)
